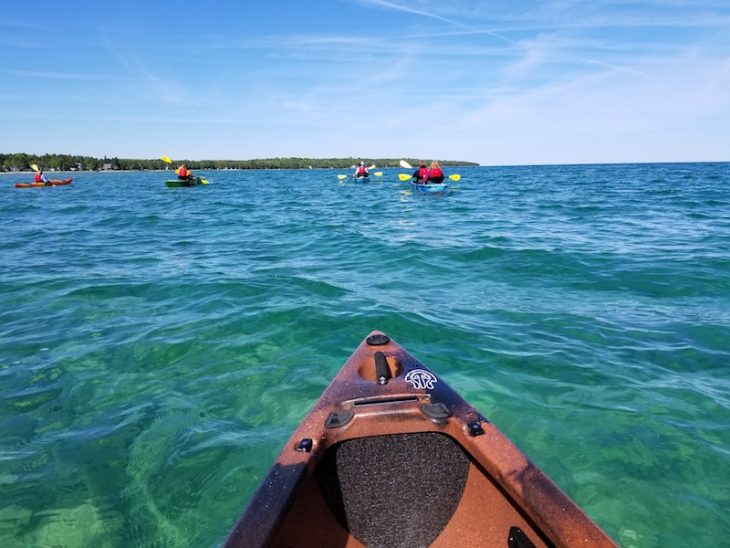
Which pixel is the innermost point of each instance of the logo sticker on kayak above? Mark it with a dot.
(420, 379)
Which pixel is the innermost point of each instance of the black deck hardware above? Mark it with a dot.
(382, 371)
(437, 412)
(305, 446)
(377, 340)
(475, 428)
(338, 418)
(518, 539)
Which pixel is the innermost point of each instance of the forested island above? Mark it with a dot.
(70, 162)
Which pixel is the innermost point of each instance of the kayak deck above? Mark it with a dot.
(52, 182)
(391, 456)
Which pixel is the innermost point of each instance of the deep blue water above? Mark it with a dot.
(158, 346)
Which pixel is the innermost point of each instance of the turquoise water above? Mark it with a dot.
(158, 346)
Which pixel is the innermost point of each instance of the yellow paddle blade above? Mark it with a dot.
(204, 181)
(166, 159)
(403, 177)
(371, 167)
(342, 177)
(34, 167)
(455, 177)
(378, 173)
(405, 164)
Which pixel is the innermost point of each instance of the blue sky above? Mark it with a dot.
(497, 82)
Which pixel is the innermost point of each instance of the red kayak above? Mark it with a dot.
(51, 182)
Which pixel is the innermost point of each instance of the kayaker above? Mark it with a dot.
(184, 173)
(40, 177)
(420, 173)
(361, 170)
(434, 174)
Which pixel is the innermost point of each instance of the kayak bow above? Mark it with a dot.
(391, 456)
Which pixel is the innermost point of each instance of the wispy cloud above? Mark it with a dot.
(407, 9)
(602, 117)
(45, 75)
(164, 89)
(430, 14)
(571, 14)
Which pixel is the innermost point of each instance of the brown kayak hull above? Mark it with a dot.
(51, 182)
(405, 463)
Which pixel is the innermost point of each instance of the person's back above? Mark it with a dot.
(420, 174)
(434, 173)
(361, 170)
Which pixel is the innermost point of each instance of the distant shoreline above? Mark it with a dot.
(19, 162)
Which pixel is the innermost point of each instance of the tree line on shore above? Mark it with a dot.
(70, 162)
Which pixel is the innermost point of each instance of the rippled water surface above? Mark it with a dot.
(158, 346)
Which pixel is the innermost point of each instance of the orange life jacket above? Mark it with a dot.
(182, 173)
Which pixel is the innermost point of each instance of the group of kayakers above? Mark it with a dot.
(423, 175)
(431, 174)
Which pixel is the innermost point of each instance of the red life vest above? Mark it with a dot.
(422, 172)
(361, 170)
(435, 172)
(38, 178)
(182, 173)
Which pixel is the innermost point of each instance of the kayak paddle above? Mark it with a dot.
(453, 177)
(405, 164)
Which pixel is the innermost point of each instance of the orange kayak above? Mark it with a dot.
(51, 182)
(391, 456)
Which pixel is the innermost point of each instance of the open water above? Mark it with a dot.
(158, 346)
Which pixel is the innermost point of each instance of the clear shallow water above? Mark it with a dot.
(158, 346)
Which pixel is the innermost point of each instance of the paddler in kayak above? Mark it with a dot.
(40, 177)
(434, 174)
(183, 173)
(420, 173)
(361, 170)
